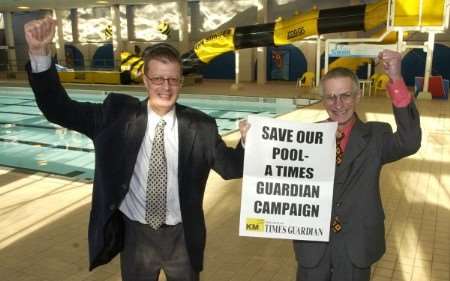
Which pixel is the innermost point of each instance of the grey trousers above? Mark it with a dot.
(147, 251)
(334, 266)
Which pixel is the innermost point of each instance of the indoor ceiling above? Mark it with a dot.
(12, 5)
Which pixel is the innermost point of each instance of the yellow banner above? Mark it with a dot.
(295, 28)
(214, 45)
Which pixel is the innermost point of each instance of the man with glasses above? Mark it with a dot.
(153, 158)
(357, 227)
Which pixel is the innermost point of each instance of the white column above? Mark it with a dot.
(318, 49)
(9, 30)
(429, 60)
(400, 41)
(247, 65)
(74, 19)
(60, 52)
(238, 60)
(117, 37)
(325, 64)
(236, 68)
(184, 24)
(261, 58)
(261, 52)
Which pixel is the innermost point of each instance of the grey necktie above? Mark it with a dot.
(155, 211)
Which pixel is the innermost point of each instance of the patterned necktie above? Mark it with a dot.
(339, 152)
(155, 211)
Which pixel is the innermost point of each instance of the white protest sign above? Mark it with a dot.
(287, 188)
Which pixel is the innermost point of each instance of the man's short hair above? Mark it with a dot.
(163, 52)
(340, 72)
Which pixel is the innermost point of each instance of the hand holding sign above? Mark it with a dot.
(244, 126)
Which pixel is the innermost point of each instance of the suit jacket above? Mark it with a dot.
(356, 193)
(117, 128)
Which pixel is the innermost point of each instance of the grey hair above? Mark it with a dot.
(340, 72)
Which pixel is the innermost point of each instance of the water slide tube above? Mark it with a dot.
(342, 19)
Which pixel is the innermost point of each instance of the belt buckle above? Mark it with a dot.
(336, 225)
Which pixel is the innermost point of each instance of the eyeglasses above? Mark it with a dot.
(344, 98)
(161, 80)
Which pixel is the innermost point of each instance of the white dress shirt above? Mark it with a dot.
(40, 63)
(133, 206)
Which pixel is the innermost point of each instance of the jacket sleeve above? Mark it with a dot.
(59, 108)
(228, 162)
(407, 139)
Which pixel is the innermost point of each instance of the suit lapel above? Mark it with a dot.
(136, 132)
(186, 136)
(357, 143)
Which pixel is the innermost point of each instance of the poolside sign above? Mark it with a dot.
(287, 188)
(358, 50)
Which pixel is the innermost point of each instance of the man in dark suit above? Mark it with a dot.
(357, 226)
(153, 158)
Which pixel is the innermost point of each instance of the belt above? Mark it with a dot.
(168, 225)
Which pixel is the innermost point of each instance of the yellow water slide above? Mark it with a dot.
(426, 13)
(348, 62)
(352, 18)
(407, 13)
(313, 22)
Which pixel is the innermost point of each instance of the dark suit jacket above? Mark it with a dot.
(356, 198)
(117, 128)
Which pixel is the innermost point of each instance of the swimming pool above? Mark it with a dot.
(29, 141)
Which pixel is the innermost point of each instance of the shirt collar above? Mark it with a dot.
(169, 117)
(348, 127)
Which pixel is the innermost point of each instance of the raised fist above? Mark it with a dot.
(392, 62)
(39, 35)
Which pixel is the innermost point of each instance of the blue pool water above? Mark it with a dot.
(29, 141)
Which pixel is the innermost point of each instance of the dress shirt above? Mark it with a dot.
(40, 63)
(347, 130)
(399, 93)
(133, 205)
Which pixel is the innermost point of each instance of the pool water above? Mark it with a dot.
(28, 141)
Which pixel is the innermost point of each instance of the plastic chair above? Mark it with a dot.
(371, 83)
(374, 78)
(380, 83)
(307, 80)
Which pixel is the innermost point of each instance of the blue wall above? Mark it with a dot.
(413, 63)
(221, 67)
(297, 63)
(74, 58)
(103, 57)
